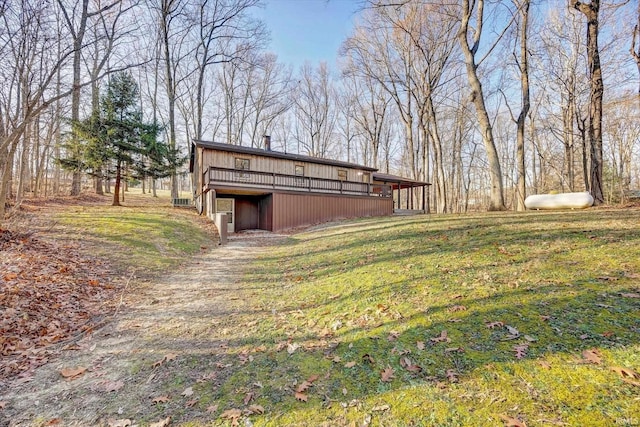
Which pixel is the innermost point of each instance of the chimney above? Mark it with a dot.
(266, 140)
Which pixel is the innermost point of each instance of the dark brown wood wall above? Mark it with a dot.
(294, 210)
(247, 213)
(266, 213)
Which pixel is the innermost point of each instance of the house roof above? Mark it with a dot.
(279, 155)
(394, 179)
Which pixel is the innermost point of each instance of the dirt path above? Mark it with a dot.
(168, 335)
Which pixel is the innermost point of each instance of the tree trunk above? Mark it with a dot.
(526, 103)
(496, 202)
(590, 11)
(170, 85)
(116, 189)
(78, 38)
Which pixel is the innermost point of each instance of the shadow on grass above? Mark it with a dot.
(561, 302)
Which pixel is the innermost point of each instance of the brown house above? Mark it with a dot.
(270, 190)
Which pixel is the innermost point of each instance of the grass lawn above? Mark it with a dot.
(474, 320)
(146, 234)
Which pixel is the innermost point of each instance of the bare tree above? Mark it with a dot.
(369, 109)
(590, 11)
(523, 67)
(373, 54)
(314, 108)
(635, 52)
(469, 49)
(226, 32)
(172, 31)
(270, 95)
(76, 16)
(27, 38)
(427, 31)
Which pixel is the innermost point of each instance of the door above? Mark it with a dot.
(227, 206)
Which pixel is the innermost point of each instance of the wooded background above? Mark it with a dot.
(488, 100)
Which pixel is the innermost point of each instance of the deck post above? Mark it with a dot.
(407, 197)
(411, 189)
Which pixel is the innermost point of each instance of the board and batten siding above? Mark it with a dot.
(223, 159)
(295, 210)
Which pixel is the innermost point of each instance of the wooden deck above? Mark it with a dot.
(215, 176)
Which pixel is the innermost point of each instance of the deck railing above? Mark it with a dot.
(277, 181)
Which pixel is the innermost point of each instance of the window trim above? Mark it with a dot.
(297, 169)
(342, 172)
(242, 162)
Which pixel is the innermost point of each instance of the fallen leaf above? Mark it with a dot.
(72, 373)
(162, 423)
(3, 404)
(53, 422)
(632, 382)
(521, 350)
(301, 397)
(350, 364)
(110, 386)
(9, 277)
(630, 295)
(256, 409)
(292, 347)
(625, 372)
(492, 325)
(187, 392)
(382, 308)
(303, 386)
(368, 359)
(119, 423)
(407, 364)
(207, 377)
(593, 355)
(231, 414)
(212, 408)
(160, 399)
(190, 403)
(454, 320)
(381, 408)
(387, 374)
(441, 338)
(393, 336)
(608, 334)
(420, 345)
(452, 375)
(313, 378)
(247, 398)
(457, 308)
(544, 364)
(545, 318)
(512, 422)
(454, 350)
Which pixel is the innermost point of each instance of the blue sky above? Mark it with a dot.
(308, 30)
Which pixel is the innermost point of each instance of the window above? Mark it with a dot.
(299, 170)
(366, 177)
(342, 174)
(242, 164)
